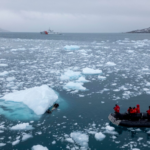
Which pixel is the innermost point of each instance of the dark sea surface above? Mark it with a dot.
(30, 60)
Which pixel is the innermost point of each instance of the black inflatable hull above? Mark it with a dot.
(140, 120)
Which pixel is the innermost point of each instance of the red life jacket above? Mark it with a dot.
(138, 108)
(117, 109)
(148, 112)
(132, 111)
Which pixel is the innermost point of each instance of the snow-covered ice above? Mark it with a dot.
(99, 136)
(26, 136)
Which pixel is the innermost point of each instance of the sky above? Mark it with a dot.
(74, 16)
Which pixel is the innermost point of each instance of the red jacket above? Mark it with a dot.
(138, 108)
(148, 112)
(132, 111)
(117, 109)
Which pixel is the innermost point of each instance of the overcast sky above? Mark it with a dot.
(74, 15)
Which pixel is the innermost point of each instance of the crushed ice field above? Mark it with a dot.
(87, 78)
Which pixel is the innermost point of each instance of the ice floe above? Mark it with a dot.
(70, 75)
(91, 71)
(39, 99)
(39, 147)
(110, 64)
(22, 126)
(71, 47)
(99, 136)
(26, 136)
(74, 86)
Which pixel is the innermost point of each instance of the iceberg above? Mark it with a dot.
(71, 47)
(70, 75)
(74, 86)
(38, 99)
(91, 71)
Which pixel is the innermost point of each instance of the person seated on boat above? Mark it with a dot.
(134, 110)
(138, 108)
(148, 113)
(129, 110)
(117, 109)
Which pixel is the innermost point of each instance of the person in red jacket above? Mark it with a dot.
(117, 109)
(138, 108)
(148, 113)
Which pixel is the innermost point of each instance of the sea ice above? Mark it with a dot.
(110, 64)
(3, 73)
(91, 71)
(2, 144)
(26, 136)
(99, 136)
(71, 47)
(3, 65)
(80, 138)
(82, 79)
(70, 75)
(101, 77)
(15, 142)
(74, 86)
(69, 140)
(39, 99)
(22, 126)
(39, 147)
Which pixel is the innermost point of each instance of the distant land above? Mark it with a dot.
(2, 30)
(146, 30)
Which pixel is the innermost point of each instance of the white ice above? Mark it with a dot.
(80, 138)
(2, 144)
(71, 47)
(91, 71)
(22, 126)
(3, 65)
(82, 80)
(110, 64)
(101, 77)
(74, 86)
(26, 136)
(39, 99)
(15, 142)
(39, 147)
(4, 73)
(99, 136)
(70, 75)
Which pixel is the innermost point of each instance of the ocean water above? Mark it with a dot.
(81, 122)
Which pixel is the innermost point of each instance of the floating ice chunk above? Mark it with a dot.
(2, 144)
(3, 73)
(22, 126)
(3, 65)
(39, 147)
(59, 62)
(70, 75)
(148, 84)
(69, 140)
(1, 131)
(26, 136)
(80, 138)
(10, 78)
(54, 142)
(39, 99)
(82, 79)
(91, 71)
(109, 128)
(139, 139)
(101, 77)
(71, 47)
(110, 64)
(74, 86)
(15, 142)
(135, 149)
(99, 136)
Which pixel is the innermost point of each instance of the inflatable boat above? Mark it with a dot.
(130, 120)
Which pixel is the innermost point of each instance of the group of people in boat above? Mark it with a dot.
(132, 111)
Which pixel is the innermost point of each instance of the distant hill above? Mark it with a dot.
(146, 30)
(2, 30)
